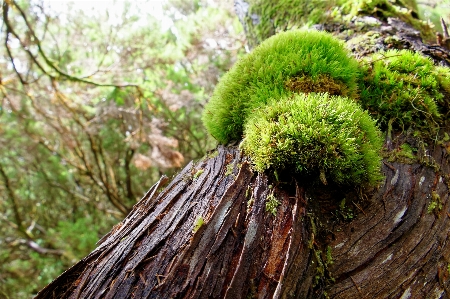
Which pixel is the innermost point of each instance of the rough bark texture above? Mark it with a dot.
(393, 247)
(397, 249)
(385, 243)
(241, 248)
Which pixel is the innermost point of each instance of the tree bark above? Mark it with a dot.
(208, 234)
(393, 246)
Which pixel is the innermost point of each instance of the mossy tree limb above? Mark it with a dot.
(393, 247)
(320, 241)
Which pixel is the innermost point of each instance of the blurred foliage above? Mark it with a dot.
(94, 108)
(433, 10)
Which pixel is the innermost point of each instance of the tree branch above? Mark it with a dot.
(14, 204)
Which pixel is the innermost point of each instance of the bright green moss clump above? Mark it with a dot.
(318, 135)
(291, 99)
(405, 89)
(278, 67)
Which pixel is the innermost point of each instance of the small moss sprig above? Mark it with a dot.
(270, 71)
(272, 204)
(199, 222)
(318, 135)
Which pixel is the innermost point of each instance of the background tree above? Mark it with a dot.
(95, 106)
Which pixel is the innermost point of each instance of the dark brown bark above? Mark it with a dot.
(155, 253)
(397, 247)
(393, 247)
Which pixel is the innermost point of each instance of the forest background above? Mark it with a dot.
(97, 101)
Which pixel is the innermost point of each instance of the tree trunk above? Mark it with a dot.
(209, 234)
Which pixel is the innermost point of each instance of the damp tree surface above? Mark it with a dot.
(220, 229)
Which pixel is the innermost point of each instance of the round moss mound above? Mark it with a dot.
(405, 89)
(328, 137)
(280, 66)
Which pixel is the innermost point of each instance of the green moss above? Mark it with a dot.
(383, 8)
(329, 260)
(404, 154)
(404, 10)
(247, 192)
(198, 173)
(271, 204)
(407, 151)
(250, 204)
(405, 89)
(320, 268)
(198, 223)
(393, 41)
(267, 18)
(442, 75)
(364, 43)
(435, 206)
(323, 265)
(279, 98)
(267, 73)
(213, 154)
(345, 211)
(316, 134)
(229, 169)
(443, 142)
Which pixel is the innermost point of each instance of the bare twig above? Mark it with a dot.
(14, 202)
